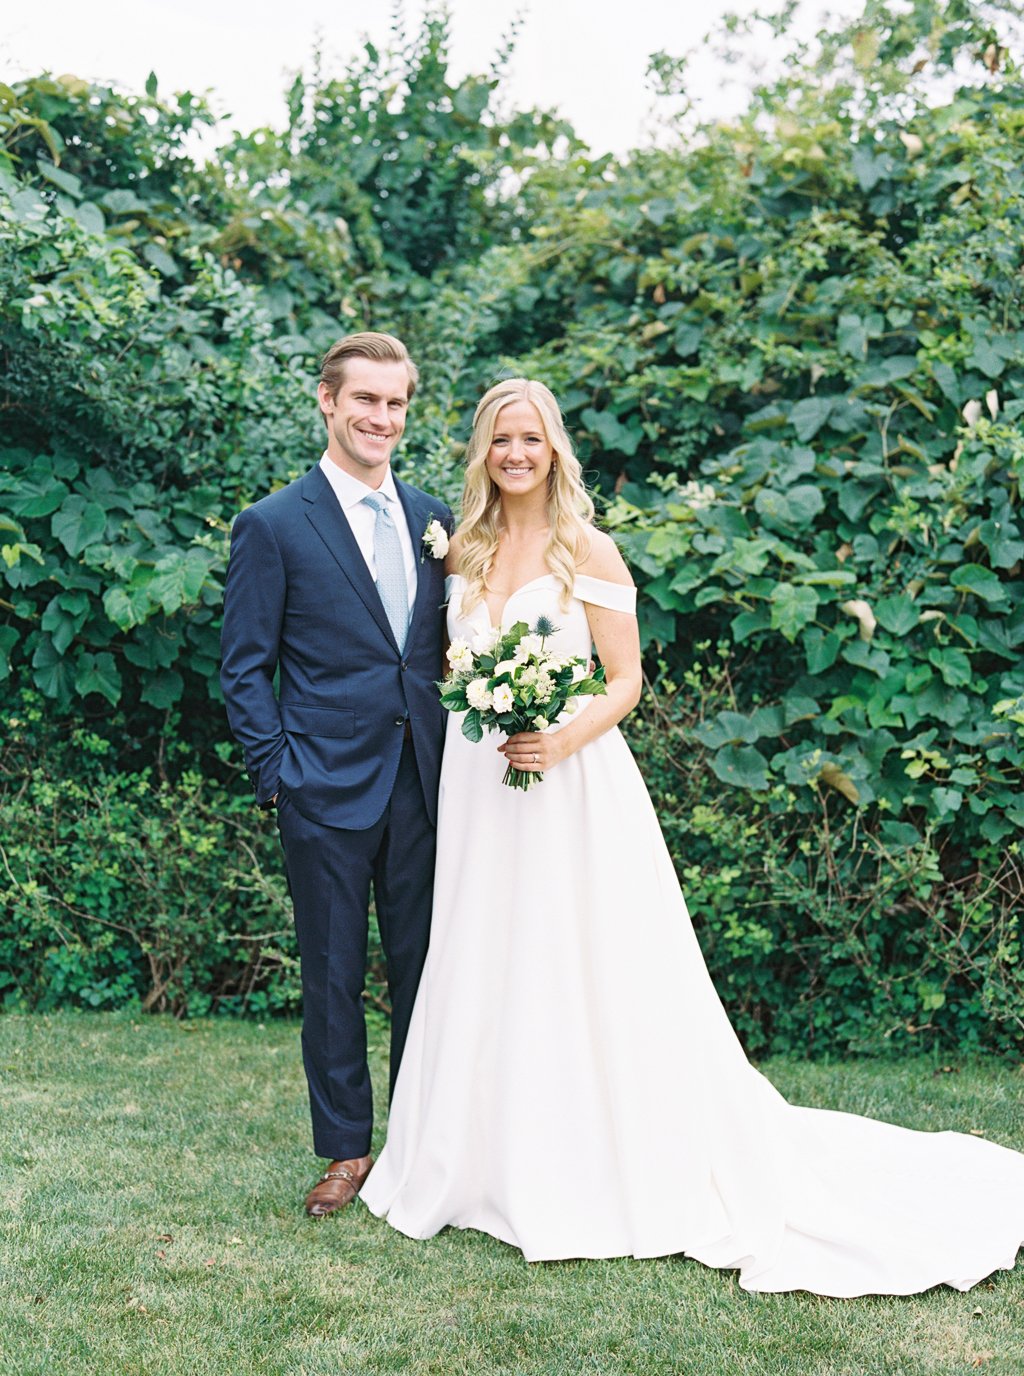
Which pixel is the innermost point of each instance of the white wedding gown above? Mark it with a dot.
(550, 1099)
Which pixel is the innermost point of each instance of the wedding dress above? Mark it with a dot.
(571, 1084)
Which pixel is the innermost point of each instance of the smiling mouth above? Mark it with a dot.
(516, 472)
(374, 436)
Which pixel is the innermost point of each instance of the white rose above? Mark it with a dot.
(478, 695)
(435, 537)
(530, 645)
(502, 698)
(460, 656)
(540, 723)
(484, 641)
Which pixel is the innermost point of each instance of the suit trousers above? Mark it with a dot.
(330, 871)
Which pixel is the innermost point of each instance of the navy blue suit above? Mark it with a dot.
(351, 745)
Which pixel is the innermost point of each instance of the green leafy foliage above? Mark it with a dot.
(789, 348)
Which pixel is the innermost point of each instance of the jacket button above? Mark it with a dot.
(399, 721)
(405, 665)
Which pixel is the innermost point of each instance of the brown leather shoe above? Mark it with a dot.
(338, 1186)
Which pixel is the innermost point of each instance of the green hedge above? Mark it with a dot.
(789, 348)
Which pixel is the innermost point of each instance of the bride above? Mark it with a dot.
(539, 1099)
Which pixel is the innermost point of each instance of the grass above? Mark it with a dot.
(151, 1179)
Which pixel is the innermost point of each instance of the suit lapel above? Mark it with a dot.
(331, 524)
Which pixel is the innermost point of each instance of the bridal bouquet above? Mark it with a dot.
(511, 683)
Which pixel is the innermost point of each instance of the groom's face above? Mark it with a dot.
(366, 419)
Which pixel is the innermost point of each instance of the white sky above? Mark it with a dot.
(586, 58)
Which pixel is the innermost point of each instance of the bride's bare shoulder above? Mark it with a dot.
(451, 560)
(604, 560)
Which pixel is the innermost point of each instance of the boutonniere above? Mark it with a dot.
(435, 541)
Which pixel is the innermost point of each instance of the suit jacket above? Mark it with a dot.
(299, 602)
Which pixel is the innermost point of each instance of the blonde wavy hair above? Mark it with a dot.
(570, 509)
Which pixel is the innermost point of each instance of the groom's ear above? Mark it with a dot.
(325, 398)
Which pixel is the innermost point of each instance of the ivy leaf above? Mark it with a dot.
(726, 728)
(621, 439)
(796, 507)
(869, 168)
(808, 416)
(799, 707)
(160, 259)
(741, 765)
(78, 523)
(686, 339)
(820, 649)
(990, 355)
(98, 674)
(798, 463)
(163, 688)
(949, 386)
(63, 622)
(748, 623)
(852, 337)
(863, 656)
(1001, 539)
(943, 703)
(37, 499)
(51, 671)
(854, 497)
(179, 579)
(982, 582)
(953, 665)
(792, 608)
(768, 721)
(899, 836)
(897, 614)
(827, 578)
(947, 800)
(127, 607)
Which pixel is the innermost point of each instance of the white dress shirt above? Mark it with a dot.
(362, 518)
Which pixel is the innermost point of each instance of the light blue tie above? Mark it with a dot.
(392, 583)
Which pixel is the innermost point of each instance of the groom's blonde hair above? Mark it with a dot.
(382, 348)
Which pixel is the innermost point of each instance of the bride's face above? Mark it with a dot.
(520, 457)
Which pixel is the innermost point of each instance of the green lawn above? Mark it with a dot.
(152, 1175)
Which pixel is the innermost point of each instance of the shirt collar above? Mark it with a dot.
(350, 491)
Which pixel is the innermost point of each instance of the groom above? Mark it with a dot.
(335, 585)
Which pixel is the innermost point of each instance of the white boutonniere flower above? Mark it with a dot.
(435, 540)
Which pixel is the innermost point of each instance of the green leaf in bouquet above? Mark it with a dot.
(471, 726)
